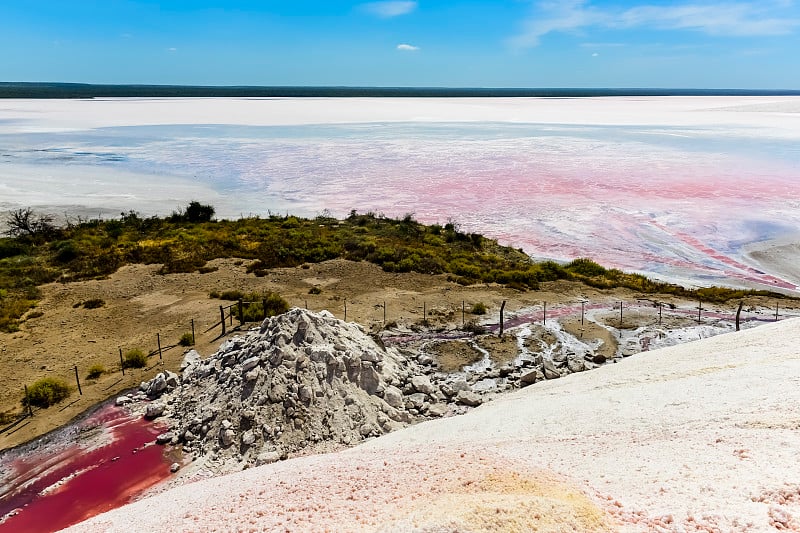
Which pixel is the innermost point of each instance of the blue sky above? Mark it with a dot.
(454, 43)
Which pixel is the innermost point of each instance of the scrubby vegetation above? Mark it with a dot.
(46, 392)
(478, 309)
(135, 358)
(255, 306)
(37, 252)
(95, 371)
(187, 339)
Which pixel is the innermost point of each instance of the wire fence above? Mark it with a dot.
(236, 316)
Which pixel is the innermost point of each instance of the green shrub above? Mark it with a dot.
(478, 309)
(46, 392)
(254, 308)
(95, 371)
(187, 339)
(135, 358)
(315, 290)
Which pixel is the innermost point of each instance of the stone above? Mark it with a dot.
(171, 378)
(154, 410)
(249, 364)
(174, 467)
(226, 437)
(529, 378)
(438, 409)
(422, 384)
(393, 396)
(190, 358)
(164, 438)
(123, 400)
(248, 438)
(267, 457)
(416, 400)
(550, 370)
(575, 365)
(598, 358)
(468, 398)
(156, 386)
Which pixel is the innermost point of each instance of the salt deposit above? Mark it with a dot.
(696, 437)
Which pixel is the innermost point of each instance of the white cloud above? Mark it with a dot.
(407, 47)
(747, 18)
(172, 49)
(393, 8)
(595, 54)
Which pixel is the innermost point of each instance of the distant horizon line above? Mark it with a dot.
(91, 90)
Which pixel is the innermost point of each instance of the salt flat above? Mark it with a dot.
(696, 437)
(680, 188)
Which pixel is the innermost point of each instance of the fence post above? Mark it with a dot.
(193, 339)
(78, 381)
(424, 313)
(502, 308)
(699, 309)
(620, 316)
(121, 362)
(582, 304)
(241, 312)
(659, 313)
(544, 313)
(28, 401)
(776, 311)
(738, 313)
(384, 312)
(345, 309)
(158, 340)
(222, 318)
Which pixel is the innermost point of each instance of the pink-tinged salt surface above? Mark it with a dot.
(112, 459)
(697, 437)
(695, 190)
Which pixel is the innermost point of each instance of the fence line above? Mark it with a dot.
(528, 314)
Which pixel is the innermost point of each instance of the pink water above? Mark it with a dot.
(67, 482)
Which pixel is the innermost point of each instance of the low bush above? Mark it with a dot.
(46, 392)
(254, 309)
(315, 290)
(135, 358)
(478, 309)
(95, 371)
(187, 339)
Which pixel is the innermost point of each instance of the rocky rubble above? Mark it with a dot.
(302, 378)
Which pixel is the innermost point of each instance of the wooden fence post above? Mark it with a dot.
(659, 313)
(384, 312)
(121, 362)
(544, 313)
(158, 340)
(620, 317)
(502, 308)
(738, 313)
(699, 309)
(776, 311)
(193, 339)
(222, 318)
(78, 381)
(345, 309)
(582, 306)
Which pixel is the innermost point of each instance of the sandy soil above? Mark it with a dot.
(141, 304)
(697, 437)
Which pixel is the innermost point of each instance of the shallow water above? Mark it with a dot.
(86, 469)
(678, 201)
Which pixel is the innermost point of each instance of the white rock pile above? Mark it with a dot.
(303, 378)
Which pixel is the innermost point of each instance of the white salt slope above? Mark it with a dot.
(697, 437)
